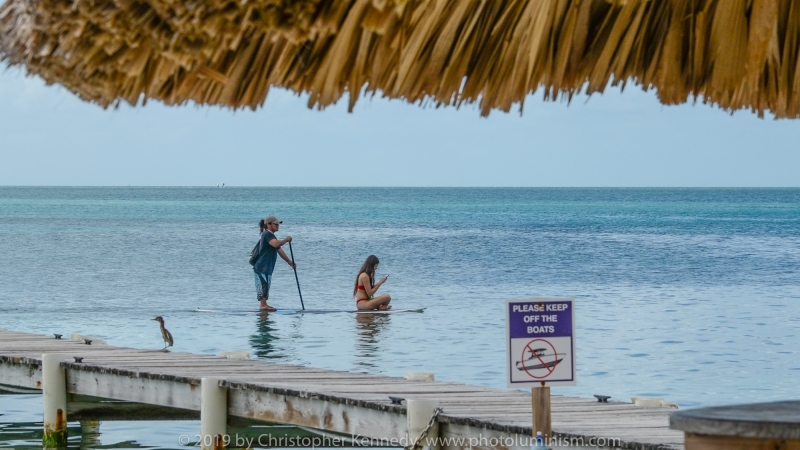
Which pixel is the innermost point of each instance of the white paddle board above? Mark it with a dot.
(310, 311)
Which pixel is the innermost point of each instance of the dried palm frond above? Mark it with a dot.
(732, 53)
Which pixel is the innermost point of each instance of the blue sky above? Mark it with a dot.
(49, 137)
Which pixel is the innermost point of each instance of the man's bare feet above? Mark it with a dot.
(267, 308)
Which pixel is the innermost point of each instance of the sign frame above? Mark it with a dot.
(512, 359)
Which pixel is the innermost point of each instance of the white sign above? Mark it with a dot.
(541, 342)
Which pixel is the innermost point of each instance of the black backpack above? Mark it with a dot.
(255, 253)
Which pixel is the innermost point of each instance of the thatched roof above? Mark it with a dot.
(733, 53)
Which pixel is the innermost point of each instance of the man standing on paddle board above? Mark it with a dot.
(269, 249)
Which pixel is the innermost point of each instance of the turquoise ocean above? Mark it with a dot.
(692, 295)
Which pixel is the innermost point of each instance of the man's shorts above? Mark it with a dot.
(262, 285)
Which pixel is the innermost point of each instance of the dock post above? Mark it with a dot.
(54, 396)
(540, 405)
(418, 414)
(213, 414)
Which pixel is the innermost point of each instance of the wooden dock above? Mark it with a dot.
(347, 403)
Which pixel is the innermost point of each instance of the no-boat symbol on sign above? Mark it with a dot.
(541, 342)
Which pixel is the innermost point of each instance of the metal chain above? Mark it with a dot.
(417, 443)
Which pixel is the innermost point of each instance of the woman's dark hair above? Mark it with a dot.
(369, 268)
(262, 225)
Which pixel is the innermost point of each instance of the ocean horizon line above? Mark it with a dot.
(145, 186)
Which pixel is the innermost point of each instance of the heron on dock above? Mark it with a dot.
(165, 334)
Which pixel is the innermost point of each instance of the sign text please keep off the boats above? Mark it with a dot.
(541, 342)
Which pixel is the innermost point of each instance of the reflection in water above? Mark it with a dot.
(369, 327)
(90, 434)
(28, 436)
(264, 340)
(20, 431)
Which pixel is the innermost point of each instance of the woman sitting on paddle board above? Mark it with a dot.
(366, 287)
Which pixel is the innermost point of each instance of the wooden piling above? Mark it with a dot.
(213, 414)
(54, 393)
(418, 414)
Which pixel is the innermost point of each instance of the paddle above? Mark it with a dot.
(295, 277)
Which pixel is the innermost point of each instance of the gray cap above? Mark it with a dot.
(272, 219)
